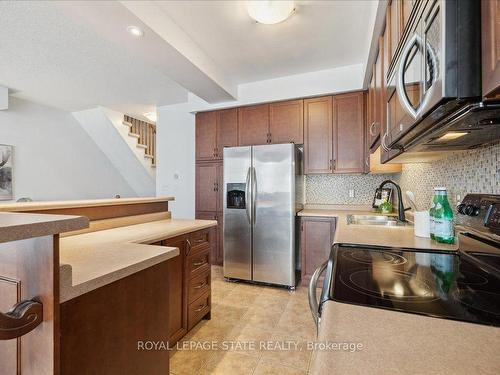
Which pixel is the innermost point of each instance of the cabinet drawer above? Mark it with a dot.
(198, 285)
(198, 263)
(199, 240)
(198, 309)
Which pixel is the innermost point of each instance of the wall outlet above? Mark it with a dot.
(351, 193)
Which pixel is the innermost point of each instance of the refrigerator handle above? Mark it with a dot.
(254, 196)
(249, 203)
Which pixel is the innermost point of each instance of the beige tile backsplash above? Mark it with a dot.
(475, 171)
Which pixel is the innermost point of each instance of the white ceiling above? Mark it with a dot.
(319, 35)
(62, 55)
(76, 55)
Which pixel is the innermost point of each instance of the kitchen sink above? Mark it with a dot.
(389, 221)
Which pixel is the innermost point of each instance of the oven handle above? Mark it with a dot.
(400, 88)
(313, 303)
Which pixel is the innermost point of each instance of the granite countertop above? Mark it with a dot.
(19, 226)
(51, 205)
(91, 260)
(373, 234)
(399, 343)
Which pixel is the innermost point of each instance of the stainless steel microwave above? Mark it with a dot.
(435, 87)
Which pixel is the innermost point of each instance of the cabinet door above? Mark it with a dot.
(406, 7)
(394, 23)
(490, 28)
(178, 291)
(318, 133)
(286, 122)
(253, 125)
(227, 130)
(206, 187)
(206, 134)
(220, 239)
(348, 132)
(220, 187)
(316, 242)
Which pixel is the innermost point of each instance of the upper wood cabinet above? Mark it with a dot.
(318, 135)
(253, 125)
(206, 135)
(214, 131)
(227, 130)
(348, 129)
(286, 122)
(490, 29)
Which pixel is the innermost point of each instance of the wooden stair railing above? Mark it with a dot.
(145, 133)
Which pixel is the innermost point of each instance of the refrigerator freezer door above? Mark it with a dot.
(274, 214)
(237, 218)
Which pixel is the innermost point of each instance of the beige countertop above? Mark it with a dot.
(19, 226)
(91, 260)
(400, 343)
(50, 205)
(372, 234)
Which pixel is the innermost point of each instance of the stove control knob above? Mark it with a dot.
(471, 210)
(460, 208)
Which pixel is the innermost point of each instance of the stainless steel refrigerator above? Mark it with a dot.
(263, 189)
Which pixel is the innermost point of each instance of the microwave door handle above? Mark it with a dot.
(400, 87)
(249, 204)
(427, 94)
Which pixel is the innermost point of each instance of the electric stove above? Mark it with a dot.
(462, 285)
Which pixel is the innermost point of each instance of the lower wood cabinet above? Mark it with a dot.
(317, 234)
(217, 236)
(101, 330)
(189, 282)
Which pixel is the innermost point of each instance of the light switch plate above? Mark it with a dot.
(351, 193)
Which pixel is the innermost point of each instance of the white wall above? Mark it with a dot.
(175, 125)
(54, 158)
(175, 174)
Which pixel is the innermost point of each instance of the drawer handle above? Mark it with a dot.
(199, 286)
(201, 308)
(24, 317)
(196, 264)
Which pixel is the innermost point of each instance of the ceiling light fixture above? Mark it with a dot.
(151, 116)
(135, 31)
(270, 12)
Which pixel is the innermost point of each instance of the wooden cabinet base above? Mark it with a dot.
(102, 331)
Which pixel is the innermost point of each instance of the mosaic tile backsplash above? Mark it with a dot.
(475, 171)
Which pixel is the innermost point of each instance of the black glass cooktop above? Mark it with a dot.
(446, 285)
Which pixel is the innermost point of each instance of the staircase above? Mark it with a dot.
(129, 143)
(145, 133)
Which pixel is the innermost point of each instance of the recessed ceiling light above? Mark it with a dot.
(270, 11)
(151, 116)
(135, 31)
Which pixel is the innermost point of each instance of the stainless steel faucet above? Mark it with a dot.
(401, 208)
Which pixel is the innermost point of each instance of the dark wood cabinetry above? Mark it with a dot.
(318, 133)
(207, 186)
(317, 234)
(348, 129)
(189, 282)
(217, 236)
(286, 122)
(253, 125)
(206, 136)
(214, 131)
(490, 39)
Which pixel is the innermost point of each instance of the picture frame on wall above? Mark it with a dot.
(6, 172)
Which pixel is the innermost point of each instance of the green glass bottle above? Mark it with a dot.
(431, 215)
(443, 229)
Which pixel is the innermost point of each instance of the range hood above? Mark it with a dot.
(469, 126)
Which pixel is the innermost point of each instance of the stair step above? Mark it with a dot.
(127, 124)
(134, 135)
(142, 146)
(147, 156)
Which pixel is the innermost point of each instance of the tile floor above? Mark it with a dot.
(244, 315)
